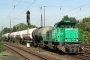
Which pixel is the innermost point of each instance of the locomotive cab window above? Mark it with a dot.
(65, 24)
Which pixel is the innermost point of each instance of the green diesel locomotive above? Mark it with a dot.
(65, 37)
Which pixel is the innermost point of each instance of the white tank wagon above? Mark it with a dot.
(13, 35)
(27, 34)
(18, 35)
(38, 34)
(5, 36)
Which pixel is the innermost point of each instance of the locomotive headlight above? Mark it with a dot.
(77, 39)
(65, 39)
(82, 47)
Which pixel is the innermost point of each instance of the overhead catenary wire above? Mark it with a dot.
(82, 15)
(58, 3)
(26, 8)
(19, 2)
(61, 8)
(13, 9)
(22, 12)
(15, 6)
(69, 10)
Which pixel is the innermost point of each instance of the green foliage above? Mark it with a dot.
(81, 35)
(4, 53)
(22, 26)
(84, 25)
(19, 27)
(6, 30)
(17, 41)
(0, 33)
(72, 19)
(32, 26)
(1, 45)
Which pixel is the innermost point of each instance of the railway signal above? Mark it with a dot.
(28, 17)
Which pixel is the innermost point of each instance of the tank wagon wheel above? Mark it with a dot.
(13, 41)
(35, 44)
(31, 44)
(21, 42)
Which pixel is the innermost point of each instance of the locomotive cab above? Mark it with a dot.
(64, 24)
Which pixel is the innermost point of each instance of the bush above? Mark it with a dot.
(1, 45)
(17, 41)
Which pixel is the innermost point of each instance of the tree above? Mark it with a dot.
(65, 18)
(72, 19)
(22, 26)
(19, 27)
(0, 33)
(84, 25)
(6, 30)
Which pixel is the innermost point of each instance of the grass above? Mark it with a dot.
(17, 41)
(4, 54)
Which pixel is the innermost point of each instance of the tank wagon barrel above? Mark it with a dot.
(27, 34)
(5, 36)
(13, 35)
(38, 33)
(19, 34)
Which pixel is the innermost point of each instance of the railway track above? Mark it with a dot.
(27, 54)
(85, 55)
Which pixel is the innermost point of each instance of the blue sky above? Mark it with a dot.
(52, 11)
